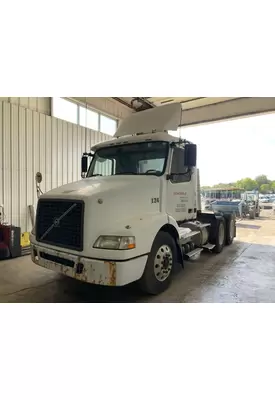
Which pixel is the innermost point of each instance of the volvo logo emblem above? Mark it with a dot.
(56, 222)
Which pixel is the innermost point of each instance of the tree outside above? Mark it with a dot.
(261, 183)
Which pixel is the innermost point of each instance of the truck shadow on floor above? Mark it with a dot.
(247, 226)
(73, 291)
(70, 290)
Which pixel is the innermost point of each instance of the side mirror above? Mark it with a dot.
(84, 165)
(190, 157)
(38, 180)
(38, 177)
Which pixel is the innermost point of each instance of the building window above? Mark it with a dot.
(64, 109)
(88, 118)
(81, 115)
(108, 125)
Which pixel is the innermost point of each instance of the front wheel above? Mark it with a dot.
(161, 260)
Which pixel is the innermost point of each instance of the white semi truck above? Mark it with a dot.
(135, 213)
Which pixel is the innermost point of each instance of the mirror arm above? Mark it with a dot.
(84, 159)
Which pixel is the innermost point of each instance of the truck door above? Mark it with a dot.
(181, 188)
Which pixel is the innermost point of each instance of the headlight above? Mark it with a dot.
(115, 242)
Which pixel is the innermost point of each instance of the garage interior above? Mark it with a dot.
(70, 126)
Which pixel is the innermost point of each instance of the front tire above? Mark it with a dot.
(160, 264)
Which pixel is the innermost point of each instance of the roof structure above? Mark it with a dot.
(199, 110)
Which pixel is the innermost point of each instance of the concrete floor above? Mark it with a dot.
(244, 272)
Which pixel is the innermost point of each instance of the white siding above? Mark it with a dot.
(31, 142)
(40, 104)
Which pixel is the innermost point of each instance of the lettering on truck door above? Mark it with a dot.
(181, 201)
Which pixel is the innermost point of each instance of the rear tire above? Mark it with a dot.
(219, 236)
(160, 264)
(230, 224)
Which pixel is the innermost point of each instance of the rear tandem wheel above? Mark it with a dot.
(219, 236)
(230, 224)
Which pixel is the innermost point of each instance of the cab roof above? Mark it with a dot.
(154, 137)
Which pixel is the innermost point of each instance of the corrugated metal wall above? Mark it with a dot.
(31, 142)
(40, 104)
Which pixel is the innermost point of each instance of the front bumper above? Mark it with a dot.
(99, 272)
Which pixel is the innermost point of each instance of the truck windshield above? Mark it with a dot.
(146, 158)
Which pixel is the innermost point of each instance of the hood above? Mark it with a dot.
(111, 200)
(98, 186)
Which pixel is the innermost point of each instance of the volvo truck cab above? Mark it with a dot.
(135, 213)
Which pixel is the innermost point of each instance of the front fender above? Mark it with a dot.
(173, 222)
(145, 230)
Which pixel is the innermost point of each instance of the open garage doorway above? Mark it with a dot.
(233, 150)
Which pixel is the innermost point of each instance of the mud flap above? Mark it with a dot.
(227, 218)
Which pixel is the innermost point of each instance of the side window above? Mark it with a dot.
(178, 167)
(104, 167)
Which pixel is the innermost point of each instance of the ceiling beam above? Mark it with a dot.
(145, 103)
(124, 103)
(191, 100)
(142, 103)
(237, 107)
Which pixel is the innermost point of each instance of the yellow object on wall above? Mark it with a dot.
(25, 239)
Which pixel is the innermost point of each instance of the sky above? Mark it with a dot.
(236, 149)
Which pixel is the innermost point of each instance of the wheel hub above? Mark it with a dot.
(163, 263)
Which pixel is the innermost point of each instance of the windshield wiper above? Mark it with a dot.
(127, 173)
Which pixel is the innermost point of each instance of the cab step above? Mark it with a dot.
(208, 246)
(194, 254)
